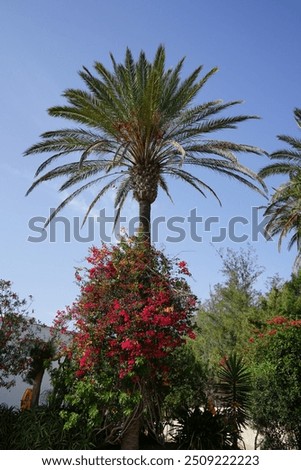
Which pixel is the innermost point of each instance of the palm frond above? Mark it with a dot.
(198, 184)
(280, 168)
(99, 195)
(292, 141)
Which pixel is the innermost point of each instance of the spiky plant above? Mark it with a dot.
(136, 126)
(234, 388)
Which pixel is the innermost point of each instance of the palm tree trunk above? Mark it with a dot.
(144, 220)
(130, 438)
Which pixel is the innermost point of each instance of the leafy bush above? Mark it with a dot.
(206, 426)
(201, 429)
(41, 428)
(276, 370)
(8, 420)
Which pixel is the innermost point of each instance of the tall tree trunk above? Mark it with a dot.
(130, 438)
(144, 220)
(36, 388)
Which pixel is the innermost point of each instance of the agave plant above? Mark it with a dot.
(137, 126)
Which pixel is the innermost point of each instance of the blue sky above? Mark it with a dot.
(254, 43)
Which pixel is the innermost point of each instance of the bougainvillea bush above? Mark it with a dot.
(134, 308)
(276, 367)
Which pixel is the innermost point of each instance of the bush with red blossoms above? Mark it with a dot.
(278, 324)
(132, 309)
(135, 307)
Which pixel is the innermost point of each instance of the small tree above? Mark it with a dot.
(226, 319)
(41, 355)
(134, 308)
(22, 351)
(17, 335)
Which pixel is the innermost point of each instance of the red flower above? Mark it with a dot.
(183, 268)
(192, 335)
(295, 323)
(79, 373)
(277, 321)
(88, 288)
(127, 344)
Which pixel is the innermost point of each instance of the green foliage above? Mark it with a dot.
(200, 429)
(276, 371)
(41, 429)
(8, 421)
(41, 354)
(203, 425)
(186, 387)
(283, 298)
(17, 334)
(84, 403)
(226, 319)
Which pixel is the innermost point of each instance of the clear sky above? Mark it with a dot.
(255, 44)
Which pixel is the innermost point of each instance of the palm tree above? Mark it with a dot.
(137, 126)
(284, 208)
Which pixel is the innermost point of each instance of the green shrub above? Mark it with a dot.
(41, 428)
(200, 429)
(8, 420)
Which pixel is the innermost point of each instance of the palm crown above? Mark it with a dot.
(284, 208)
(139, 125)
